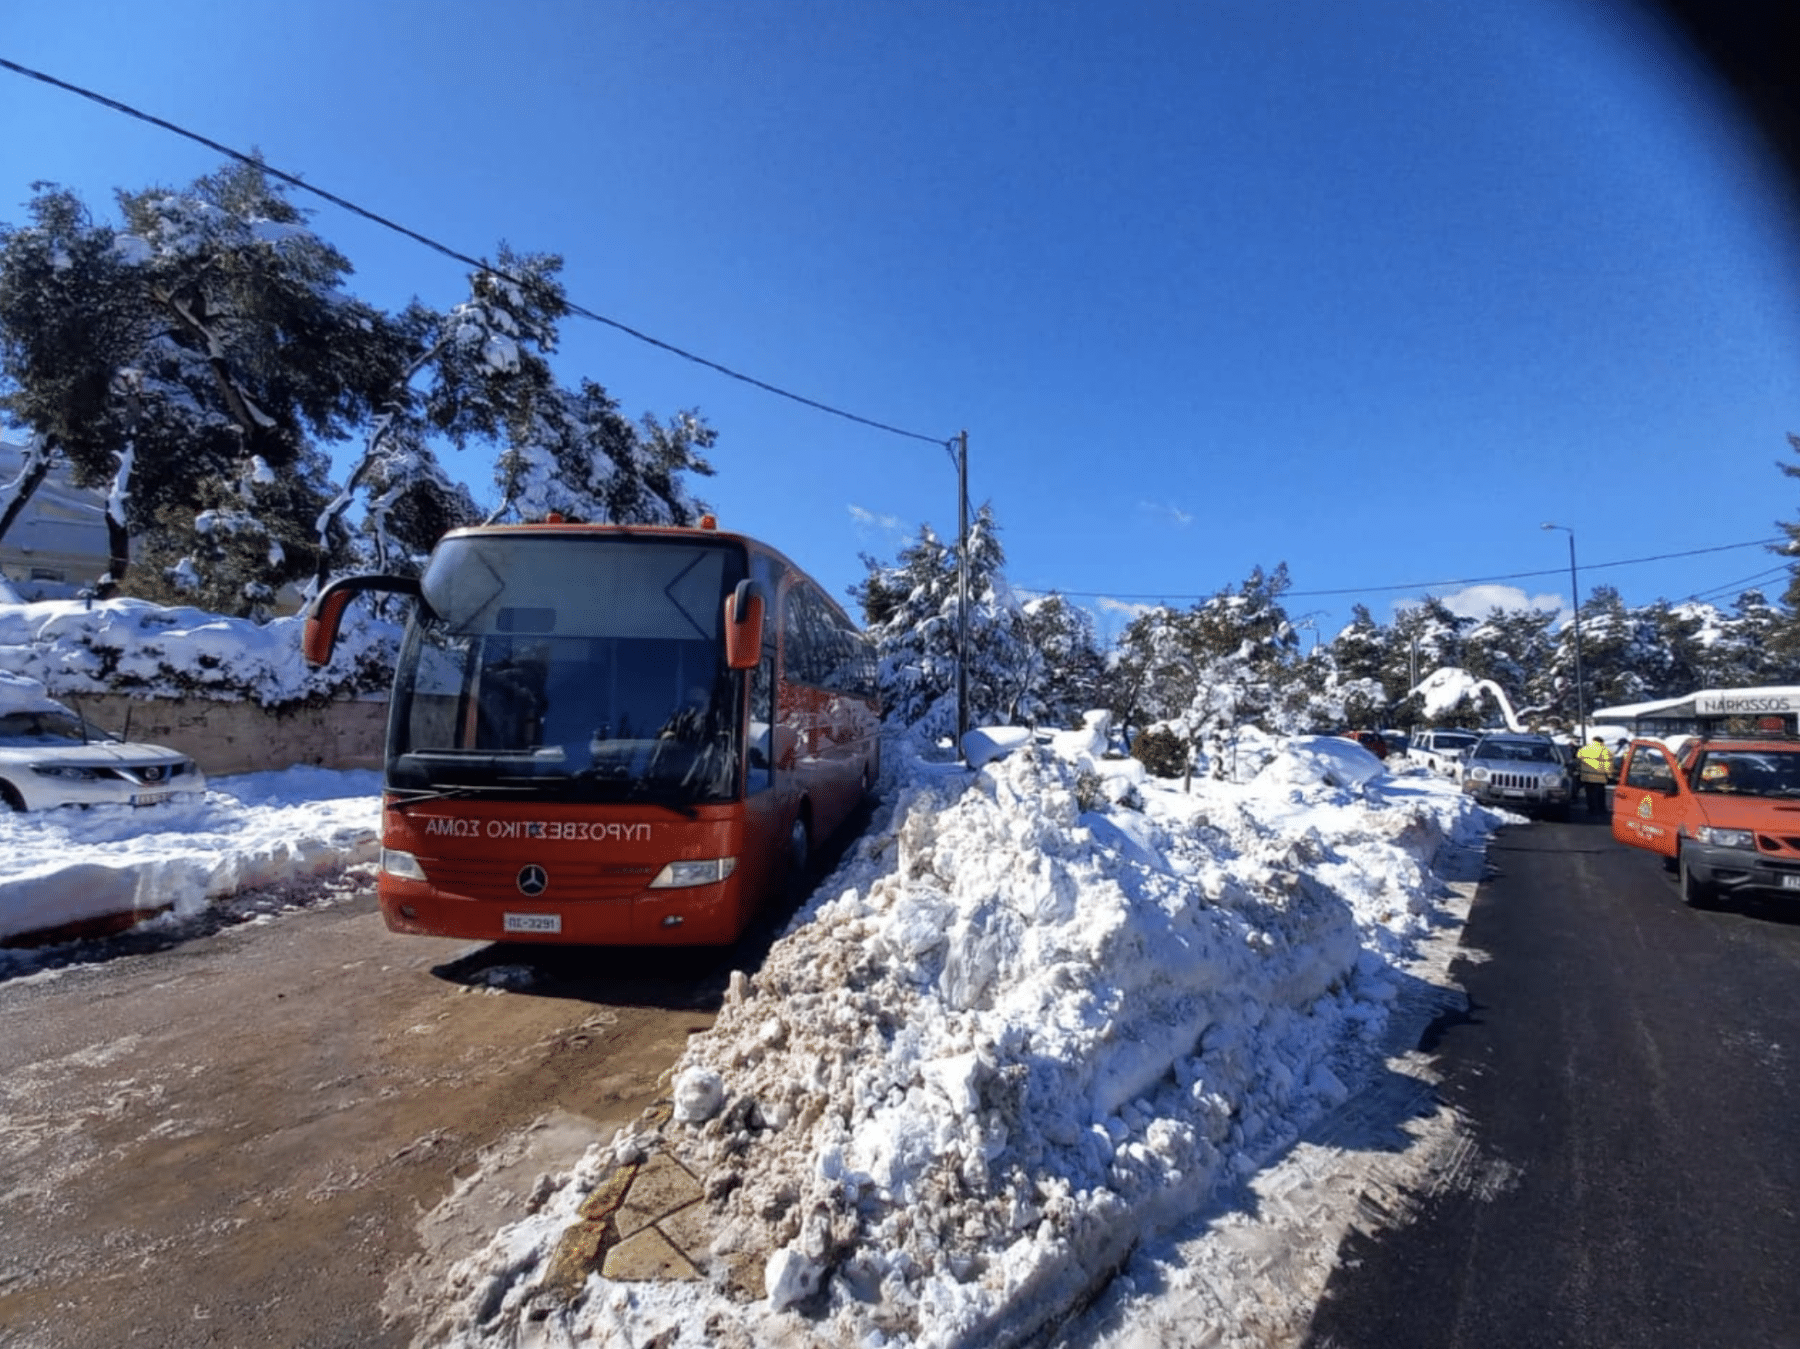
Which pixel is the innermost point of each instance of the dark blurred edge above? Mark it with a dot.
(1752, 48)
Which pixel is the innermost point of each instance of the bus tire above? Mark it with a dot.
(799, 852)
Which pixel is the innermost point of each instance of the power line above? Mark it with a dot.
(1434, 585)
(1737, 586)
(578, 310)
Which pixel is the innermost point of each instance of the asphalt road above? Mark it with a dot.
(237, 1138)
(1627, 1069)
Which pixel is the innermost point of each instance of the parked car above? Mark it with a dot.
(1721, 812)
(1372, 741)
(1442, 751)
(1398, 742)
(1521, 772)
(50, 756)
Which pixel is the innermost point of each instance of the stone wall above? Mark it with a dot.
(244, 737)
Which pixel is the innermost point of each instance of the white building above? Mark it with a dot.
(58, 544)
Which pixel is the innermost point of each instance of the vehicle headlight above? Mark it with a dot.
(1725, 838)
(66, 771)
(679, 874)
(402, 864)
(1479, 774)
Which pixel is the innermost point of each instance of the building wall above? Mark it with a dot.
(59, 542)
(245, 737)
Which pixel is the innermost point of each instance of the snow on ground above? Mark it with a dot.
(75, 863)
(1053, 1031)
(1043, 1014)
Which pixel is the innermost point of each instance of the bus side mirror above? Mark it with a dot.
(744, 626)
(323, 616)
(326, 611)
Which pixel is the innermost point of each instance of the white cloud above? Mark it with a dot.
(1169, 512)
(868, 517)
(1479, 600)
(1129, 608)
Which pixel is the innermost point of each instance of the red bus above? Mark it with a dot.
(610, 734)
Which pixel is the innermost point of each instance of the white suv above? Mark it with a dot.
(1443, 751)
(51, 757)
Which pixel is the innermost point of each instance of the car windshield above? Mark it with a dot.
(49, 727)
(1517, 751)
(1452, 740)
(1748, 772)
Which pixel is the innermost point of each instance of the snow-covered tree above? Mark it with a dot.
(207, 348)
(71, 321)
(910, 609)
(588, 463)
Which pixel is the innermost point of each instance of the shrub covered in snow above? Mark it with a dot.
(133, 646)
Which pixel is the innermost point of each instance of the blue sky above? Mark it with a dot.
(1373, 290)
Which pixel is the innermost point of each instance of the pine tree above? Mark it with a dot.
(911, 609)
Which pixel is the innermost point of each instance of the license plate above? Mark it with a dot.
(532, 922)
(149, 798)
(1790, 882)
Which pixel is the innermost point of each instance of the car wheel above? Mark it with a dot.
(1693, 893)
(10, 795)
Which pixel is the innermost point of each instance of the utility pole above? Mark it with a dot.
(1575, 598)
(962, 589)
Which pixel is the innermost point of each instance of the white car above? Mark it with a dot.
(51, 757)
(1443, 751)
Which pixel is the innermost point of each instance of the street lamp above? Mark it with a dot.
(1575, 596)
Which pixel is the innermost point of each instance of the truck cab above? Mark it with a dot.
(1723, 812)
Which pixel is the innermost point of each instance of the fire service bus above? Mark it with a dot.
(611, 734)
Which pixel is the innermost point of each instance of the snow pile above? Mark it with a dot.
(1445, 691)
(20, 693)
(73, 864)
(1021, 1027)
(133, 646)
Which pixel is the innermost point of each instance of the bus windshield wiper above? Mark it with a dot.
(417, 795)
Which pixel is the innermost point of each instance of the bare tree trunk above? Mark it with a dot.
(39, 455)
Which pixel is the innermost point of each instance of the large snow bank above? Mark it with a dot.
(74, 864)
(1019, 1028)
(133, 646)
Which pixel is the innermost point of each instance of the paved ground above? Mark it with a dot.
(1627, 1071)
(236, 1140)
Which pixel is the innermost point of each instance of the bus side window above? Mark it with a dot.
(759, 775)
(796, 638)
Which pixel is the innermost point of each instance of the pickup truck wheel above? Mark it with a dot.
(1693, 893)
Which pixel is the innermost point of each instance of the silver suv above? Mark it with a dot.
(1522, 772)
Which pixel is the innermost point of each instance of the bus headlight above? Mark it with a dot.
(679, 874)
(402, 864)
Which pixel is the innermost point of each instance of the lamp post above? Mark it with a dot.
(1575, 597)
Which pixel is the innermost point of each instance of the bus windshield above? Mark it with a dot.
(570, 667)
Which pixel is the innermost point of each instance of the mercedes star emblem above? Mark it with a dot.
(533, 880)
